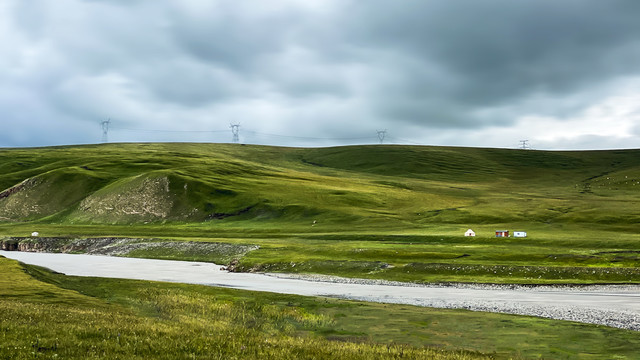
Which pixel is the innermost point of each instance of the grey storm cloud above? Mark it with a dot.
(491, 53)
(330, 69)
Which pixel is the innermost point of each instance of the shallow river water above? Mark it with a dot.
(617, 306)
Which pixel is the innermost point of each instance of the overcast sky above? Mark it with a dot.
(561, 74)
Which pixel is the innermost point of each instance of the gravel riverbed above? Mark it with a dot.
(620, 318)
(609, 305)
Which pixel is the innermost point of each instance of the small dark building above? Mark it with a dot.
(502, 233)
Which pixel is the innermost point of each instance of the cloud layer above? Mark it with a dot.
(563, 74)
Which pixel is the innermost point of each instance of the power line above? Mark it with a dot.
(305, 137)
(382, 135)
(232, 126)
(169, 131)
(524, 145)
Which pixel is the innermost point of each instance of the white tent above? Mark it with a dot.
(470, 233)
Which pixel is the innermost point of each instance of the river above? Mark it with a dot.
(610, 305)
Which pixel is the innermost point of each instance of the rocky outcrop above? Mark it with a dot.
(32, 244)
(14, 189)
(140, 198)
(9, 245)
(220, 252)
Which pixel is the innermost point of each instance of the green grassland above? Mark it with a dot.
(49, 315)
(380, 187)
(380, 212)
(389, 212)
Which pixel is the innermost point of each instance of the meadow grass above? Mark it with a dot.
(545, 258)
(104, 318)
(47, 315)
(549, 256)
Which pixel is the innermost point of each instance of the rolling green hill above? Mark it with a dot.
(394, 186)
(386, 212)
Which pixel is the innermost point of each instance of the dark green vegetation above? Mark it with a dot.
(392, 212)
(47, 315)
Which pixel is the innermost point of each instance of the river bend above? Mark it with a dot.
(617, 306)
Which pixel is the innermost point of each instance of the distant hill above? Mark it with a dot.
(413, 185)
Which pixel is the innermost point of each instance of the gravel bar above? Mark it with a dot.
(593, 315)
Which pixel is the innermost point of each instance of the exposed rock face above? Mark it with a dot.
(12, 200)
(14, 189)
(76, 195)
(32, 245)
(140, 199)
(9, 245)
(124, 246)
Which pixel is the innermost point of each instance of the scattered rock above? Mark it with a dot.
(233, 266)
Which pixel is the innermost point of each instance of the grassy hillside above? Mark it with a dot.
(392, 212)
(396, 186)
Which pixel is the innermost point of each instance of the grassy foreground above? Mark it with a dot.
(48, 315)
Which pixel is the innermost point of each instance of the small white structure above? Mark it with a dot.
(470, 233)
(35, 234)
(519, 234)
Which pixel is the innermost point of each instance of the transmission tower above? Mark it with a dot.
(381, 135)
(105, 130)
(524, 145)
(235, 130)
